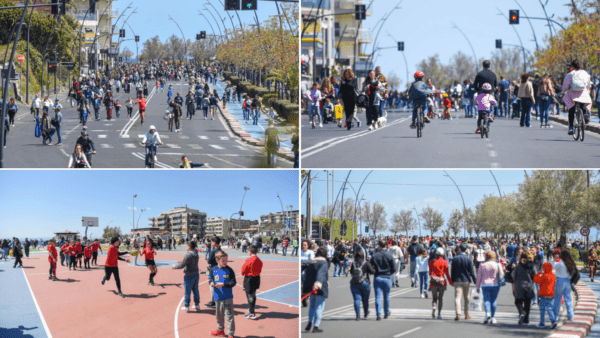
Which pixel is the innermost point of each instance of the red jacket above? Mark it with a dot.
(546, 280)
(51, 253)
(72, 250)
(95, 247)
(87, 252)
(439, 268)
(112, 256)
(78, 248)
(252, 266)
(447, 103)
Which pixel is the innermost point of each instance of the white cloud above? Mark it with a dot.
(130, 208)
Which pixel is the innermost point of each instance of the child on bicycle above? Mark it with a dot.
(484, 102)
(417, 94)
(447, 106)
(151, 139)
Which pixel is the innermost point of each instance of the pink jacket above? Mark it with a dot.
(484, 101)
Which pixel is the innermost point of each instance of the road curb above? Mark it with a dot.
(591, 127)
(585, 312)
(237, 130)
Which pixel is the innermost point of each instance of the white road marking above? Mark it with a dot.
(495, 165)
(493, 153)
(129, 145)
(64, 152)
(37, 307)
(177, 313)
(195, 146)
(216, 146)
(164, 136)
(156, 163)
(184, 137)
(407, 332)
(101, 136)
(124, 136)
(106, 146)
(174, 146)
(203, 137)
(108, 124)
(231, 163)
(224, 138)
(141, 135)
(241, 147)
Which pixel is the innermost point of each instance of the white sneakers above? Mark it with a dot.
(321, 125)
(370, 127)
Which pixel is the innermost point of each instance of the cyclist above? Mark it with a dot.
(576, 87)
(87, 146)
(484, 102)
(417, 94)
(151, 139)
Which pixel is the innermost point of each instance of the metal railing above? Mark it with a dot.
(81, 16)
(365, 34)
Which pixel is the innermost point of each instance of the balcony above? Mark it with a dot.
(365, 35)
(82, 16)
(348, 33)
(115, 13)
(348, 6)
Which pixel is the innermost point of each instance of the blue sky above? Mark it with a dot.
(426, 28)
(403, 189)
(39, 203)
(152, 18)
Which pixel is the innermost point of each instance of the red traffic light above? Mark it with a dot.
(514, 18)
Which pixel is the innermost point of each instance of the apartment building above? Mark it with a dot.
(223, 227)
(180, 222)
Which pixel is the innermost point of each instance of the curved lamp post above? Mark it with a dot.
(184, 40)
(473, 50)
(461, 196)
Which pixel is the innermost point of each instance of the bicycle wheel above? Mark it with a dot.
(151, 159)
(576, 124)
(419, 123)
(582, 125)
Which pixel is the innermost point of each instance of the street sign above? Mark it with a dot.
(232, 5)
(21, 58)
(249, 5)
(584, 231)
(316, 231)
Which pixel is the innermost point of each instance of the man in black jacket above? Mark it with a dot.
(87, 145)
(462, 274)
(413, 252)
(485, 76)
(340, 257)
(384, 266)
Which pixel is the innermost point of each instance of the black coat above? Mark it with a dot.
(523, 279)
(485, 76)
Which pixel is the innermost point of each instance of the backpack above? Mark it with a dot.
(54, 122)
(362, 101)
(579, 80)
(357, 274)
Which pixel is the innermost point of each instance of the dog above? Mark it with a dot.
(382, 121)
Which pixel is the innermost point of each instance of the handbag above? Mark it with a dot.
(501, 280)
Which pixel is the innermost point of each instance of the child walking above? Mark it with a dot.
(422, 268)
(111, 265)
(222, 279)
(191, 276)
(87, 254)
(251, 271)
(118, 109)
(52, 258)
(547, 280)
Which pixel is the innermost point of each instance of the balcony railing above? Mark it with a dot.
(115, 13)
(81, 16)
(365, 35)
(349, 32)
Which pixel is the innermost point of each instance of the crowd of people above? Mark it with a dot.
(542, 272)
(543, 93)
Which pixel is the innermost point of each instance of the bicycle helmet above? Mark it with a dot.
(84, 133)
(152, 127)
(486, 87)
(419, 74)
(445, 95)
(439, 251)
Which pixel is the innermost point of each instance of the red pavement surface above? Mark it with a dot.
(80, 306)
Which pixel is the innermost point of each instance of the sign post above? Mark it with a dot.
(316, 231)
(21, 58)
(585, 231)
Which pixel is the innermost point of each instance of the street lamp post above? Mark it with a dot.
(222, 20)
(184, 40)
(461, 196)
(241, 212)
(140, 216)
(133, 209)
(28, 31)
(473, 50)
(418, 219)
(209, 12)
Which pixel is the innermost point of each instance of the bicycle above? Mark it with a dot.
(578, 123)
(151, 154)
(419, 121)
(484, 127)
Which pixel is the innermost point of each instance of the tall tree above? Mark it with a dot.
(153, 49)
(374, 216)
(454, 223)
(126, 53)
(432, 219)
(402, 221)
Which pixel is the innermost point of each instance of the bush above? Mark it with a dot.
(584, 256)
(575, 254)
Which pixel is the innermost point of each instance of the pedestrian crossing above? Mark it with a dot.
(172, 143)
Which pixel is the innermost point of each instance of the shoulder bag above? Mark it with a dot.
(501, 279)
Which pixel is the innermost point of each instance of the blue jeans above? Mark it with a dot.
(162, 86)
(294, 251)
(315, 311)
(503, 105)
(256, 115)
(246, 114)
(361, 293)
(135, 260)
(338, 266)
(536, 106)
(284, 250)
(239, 97)
(148, 151)
(490, 295)
(544, 107)
(547, 304)
(314, 110)
(417, 102)
(563, 289)
(244, 248)
(423, 281)
(190, 284)
(58, 133)
(83, 118)
(526, 104)
(382, 285)
(67, 258)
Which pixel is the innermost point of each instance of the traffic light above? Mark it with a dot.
(203, 35)
(63, 7)
(54, 9)
(197, 37)
(137, 38)
(499, 43)
(92, 6)
(232, 5)
(249, 5)
(52, 65)
(401, 46)
(360, 12)
(121, 33)
(241, 213)
(513, 16)
(367, 229)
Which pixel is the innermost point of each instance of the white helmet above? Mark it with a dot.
(439, 251)
(152, 127)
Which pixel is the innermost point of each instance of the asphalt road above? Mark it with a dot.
(410, 315)
(445, 144)
(118, 141)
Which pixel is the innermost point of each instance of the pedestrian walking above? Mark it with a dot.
(52, 259)
(523, 286)
(316, 283)
(360, 283)
(462, 273)
(251, 270)
(565, 270)
(17, 253)
(191, 277)
(487, 282)
(547, 281)
(383, 264)
(439, 277)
